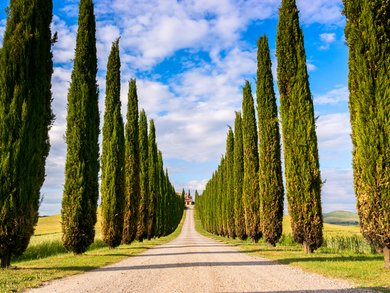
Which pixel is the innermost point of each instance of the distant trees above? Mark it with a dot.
(142, 226)
(251, 165)
(81, 189)
(258, 186)
(113, 155)
(230, 223)
(270, 165)
(25, 119)
(368, 36)
(132, 167)
(302, 170)
(229, 205)
(153, 180)
(238, 177)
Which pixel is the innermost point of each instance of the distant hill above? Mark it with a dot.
(341, 218)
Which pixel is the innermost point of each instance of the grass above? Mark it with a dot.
(45, 259)
(341, 218)
(344, 255)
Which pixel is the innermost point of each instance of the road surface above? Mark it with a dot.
(194, 263)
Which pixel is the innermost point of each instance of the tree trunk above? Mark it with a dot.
(386, 251)
(307, 248)
(5, 260)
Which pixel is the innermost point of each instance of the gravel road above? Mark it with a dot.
(194, 263)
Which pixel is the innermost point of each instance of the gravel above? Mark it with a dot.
(194, 263)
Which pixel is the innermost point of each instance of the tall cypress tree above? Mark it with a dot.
(81, 189)
(302, 170)
(113, 155)
(368, 37)
(270, 166)
(231, 229)
(152, 177)
(251, 166)
(142, 222)
(239, 212)
(25, 119)
(160, 210)
(132, 167)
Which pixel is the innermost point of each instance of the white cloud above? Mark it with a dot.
(2, 31)
(310, 66)
(333, 97)
(334, 131)
(198, 185)
(321, 11)
(337, 192)
(327, 39)
(63, 49)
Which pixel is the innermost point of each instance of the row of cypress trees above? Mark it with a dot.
(26, 117)
(138, 200)
(257, 193)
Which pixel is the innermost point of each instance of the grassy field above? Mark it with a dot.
(344, 255)
(45, 259)
(341, 218)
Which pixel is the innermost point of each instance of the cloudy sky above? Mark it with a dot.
(191, 59)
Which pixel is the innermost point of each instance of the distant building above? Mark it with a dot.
(188, 200)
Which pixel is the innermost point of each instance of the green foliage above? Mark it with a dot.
(25, 119)
(153, 180)
(251, 166)
(230, 222)
(270, 166)
(81, 188)
(302, 173)
(238, 169)
(113, 155)
(161, 197)
(368, 37)
(132, 167)
(142, 224)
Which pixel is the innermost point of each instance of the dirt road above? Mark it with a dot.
(193, 263)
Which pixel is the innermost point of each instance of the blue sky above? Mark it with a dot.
(191, 58)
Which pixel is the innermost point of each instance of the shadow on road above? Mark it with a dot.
(190, 253)
(352, 290)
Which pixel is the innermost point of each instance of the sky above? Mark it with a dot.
(191, 59)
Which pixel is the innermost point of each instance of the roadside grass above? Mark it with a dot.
(344, 255)
(45, 259)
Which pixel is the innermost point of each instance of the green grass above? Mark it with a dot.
(344, 255)
(45, 259)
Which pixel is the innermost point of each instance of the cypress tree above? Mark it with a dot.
(302, 170)
(160, 203)
(142, 225)
(81, 189)
(368, 36)
(270, 166)
(251, 166)
(223, 192)
(152, 177)
(132, 167)
(113, 155)
(239, 212)
(230, 184)
(25, 119)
